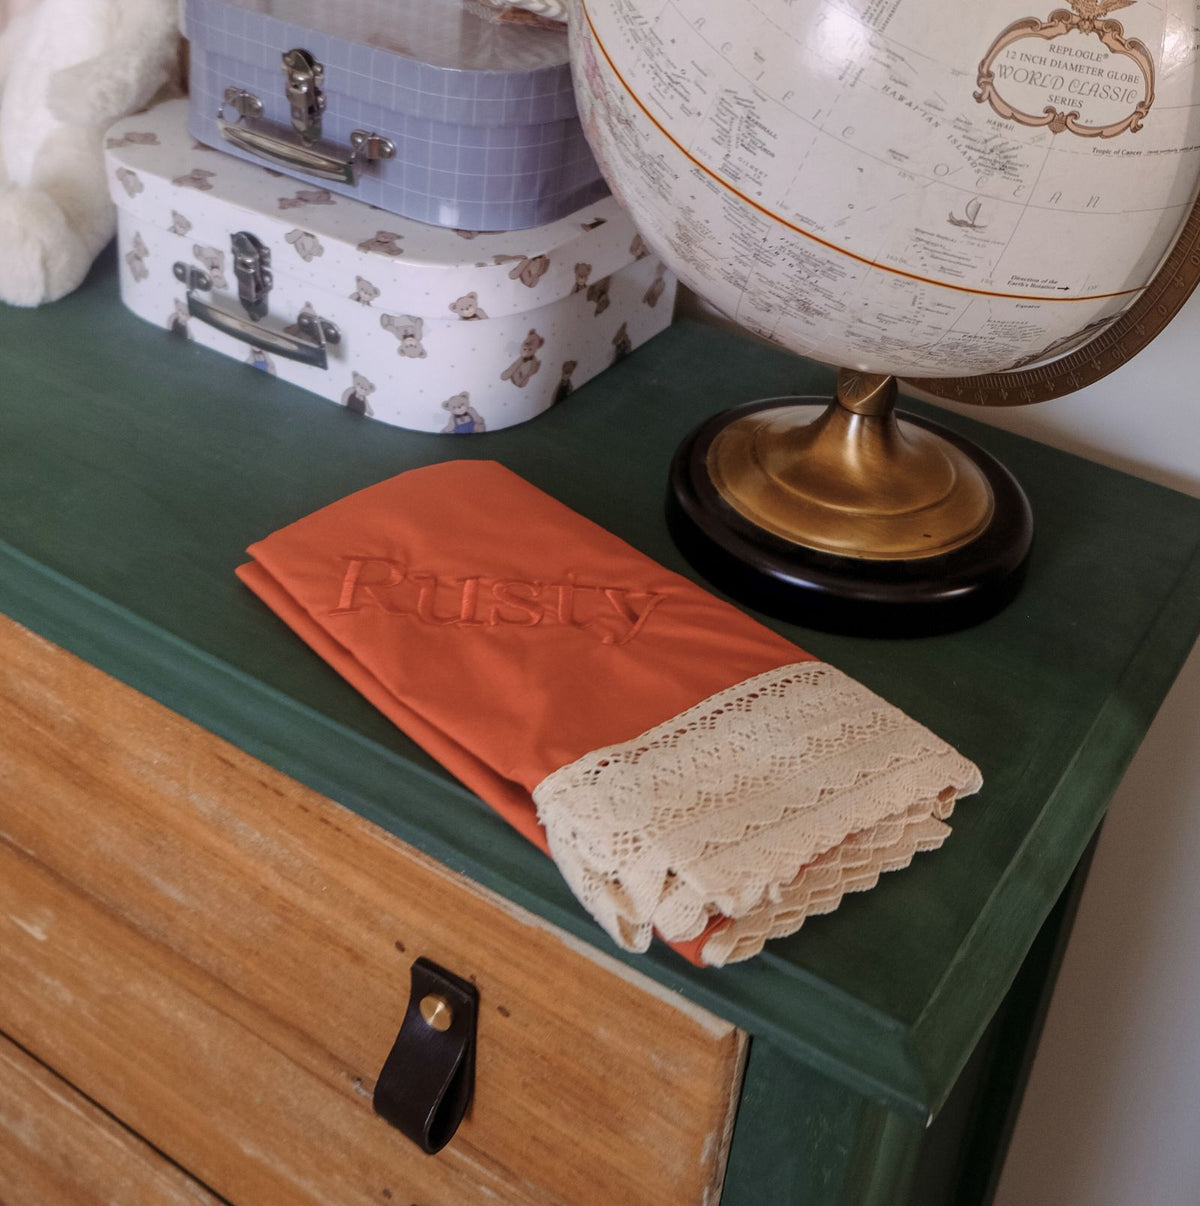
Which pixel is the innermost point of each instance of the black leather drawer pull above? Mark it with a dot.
(427, 1080)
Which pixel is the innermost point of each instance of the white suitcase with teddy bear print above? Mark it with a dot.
(423, 327)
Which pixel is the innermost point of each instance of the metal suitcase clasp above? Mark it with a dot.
(251, 260)
(303, 77)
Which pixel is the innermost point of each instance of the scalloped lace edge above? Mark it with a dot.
(764, 803)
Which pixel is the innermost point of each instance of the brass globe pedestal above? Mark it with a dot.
(846, 517)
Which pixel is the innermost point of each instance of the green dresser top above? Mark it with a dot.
(135, 468)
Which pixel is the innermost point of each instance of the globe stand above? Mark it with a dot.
(845, 517)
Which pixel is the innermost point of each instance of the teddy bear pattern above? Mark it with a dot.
(307, 196)
(364, 292)
(657, 286)
(456, 347)
(411, 332)
(383, 242)
(521, 371)
(526, 269)
(177, 320)
(408, 329)
(134, 138)
(260, 360)
(355, 398)
(482, 344)
(198, 178)
(213, 260)
(597, 294)
(131, 182)
(564, 388)
(467, 307)
(135, 257)
(307, 246)
(464, 418)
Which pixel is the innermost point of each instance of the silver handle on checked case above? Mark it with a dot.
(274, 148)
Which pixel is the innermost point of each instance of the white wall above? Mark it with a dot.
(1112, 1113)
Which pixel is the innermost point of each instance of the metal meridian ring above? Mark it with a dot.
(1143, 321)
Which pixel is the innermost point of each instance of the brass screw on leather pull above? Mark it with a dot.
(436, 1011)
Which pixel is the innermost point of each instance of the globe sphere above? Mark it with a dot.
(911, 187)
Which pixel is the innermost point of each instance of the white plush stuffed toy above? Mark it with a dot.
(68, 70)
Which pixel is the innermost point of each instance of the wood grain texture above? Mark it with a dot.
(220, 958)
(56, 1146)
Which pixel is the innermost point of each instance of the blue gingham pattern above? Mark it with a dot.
(478, 146)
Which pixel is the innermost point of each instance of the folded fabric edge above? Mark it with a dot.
(638, 828)
(855, 866)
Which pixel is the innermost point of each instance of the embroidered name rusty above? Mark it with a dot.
(614, 615)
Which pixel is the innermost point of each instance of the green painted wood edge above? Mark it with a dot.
(975, 983)
(803, 1139)
(827, 1030)
(1018, 1031)
(962, 1153)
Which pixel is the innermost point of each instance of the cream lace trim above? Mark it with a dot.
(765, 803)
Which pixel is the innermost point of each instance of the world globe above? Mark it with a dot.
(994, 202)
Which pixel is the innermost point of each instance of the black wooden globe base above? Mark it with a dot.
(881, 594)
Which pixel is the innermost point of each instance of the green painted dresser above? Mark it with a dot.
(874, 1057)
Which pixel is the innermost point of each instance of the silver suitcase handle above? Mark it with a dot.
(293, 154)
(320, 331)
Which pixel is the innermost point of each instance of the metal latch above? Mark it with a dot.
(304, 77)
(251, 266)
(306, 341)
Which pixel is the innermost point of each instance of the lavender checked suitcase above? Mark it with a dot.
(425, 328)
(425, 108)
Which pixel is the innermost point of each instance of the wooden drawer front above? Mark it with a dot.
(220, 957)
(56, 1146)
